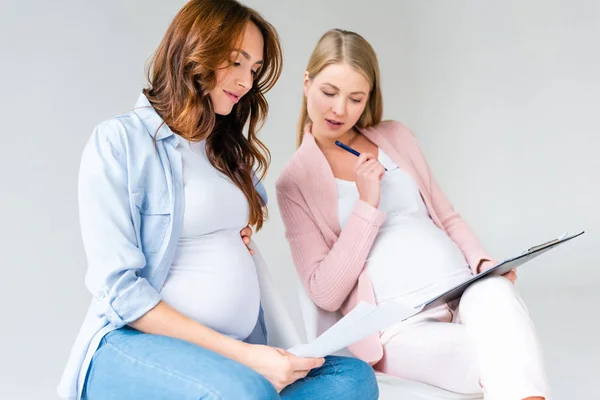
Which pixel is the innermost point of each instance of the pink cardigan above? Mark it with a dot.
(331, 262)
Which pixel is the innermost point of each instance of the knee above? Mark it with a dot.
(492, 292)
(489, 288)
(355, 379)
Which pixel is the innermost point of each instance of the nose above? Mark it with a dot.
(245, 79)
(339, 106)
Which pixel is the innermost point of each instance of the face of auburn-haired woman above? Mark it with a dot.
(236, 77)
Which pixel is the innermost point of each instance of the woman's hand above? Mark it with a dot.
(246, 235)
(367, 175)
(484, 265)
(511, 275)
(280, 367)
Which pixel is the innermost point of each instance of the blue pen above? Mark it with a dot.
(349, 149)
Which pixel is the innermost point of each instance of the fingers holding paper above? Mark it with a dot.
(281, 367)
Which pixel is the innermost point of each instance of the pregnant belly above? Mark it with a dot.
(414, 260)
(213, 280)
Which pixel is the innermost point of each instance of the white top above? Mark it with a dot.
(411, 259)
(213, 277)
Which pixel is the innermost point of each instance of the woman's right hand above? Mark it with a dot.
(280, 367)
(367, 175)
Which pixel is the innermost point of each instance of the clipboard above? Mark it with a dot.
(499, 269)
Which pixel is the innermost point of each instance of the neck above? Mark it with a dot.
(328, 144)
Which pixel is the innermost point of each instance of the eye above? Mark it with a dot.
(237, 64)
(356, 101)
(328, 94)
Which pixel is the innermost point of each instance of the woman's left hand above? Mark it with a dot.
(511, 275)
(246, 235)
(487, 264)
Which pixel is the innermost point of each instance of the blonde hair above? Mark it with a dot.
(339, 46)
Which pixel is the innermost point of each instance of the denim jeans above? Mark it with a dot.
(133, 365)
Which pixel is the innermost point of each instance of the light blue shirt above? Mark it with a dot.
(131, 205)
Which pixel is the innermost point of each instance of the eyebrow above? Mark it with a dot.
(338, 89)
(247, 56)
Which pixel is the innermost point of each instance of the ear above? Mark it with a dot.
(307, 82)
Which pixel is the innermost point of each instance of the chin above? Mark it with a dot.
(223, 111)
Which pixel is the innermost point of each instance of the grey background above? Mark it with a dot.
(504, 97)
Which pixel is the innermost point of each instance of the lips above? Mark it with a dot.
(333, 124)
(234, 97)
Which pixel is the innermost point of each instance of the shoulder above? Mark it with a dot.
(297, 170)
(397, 136)
(121, 136)
(394, 132)
(287, 181)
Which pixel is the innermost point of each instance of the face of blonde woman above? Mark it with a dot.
(335, 99)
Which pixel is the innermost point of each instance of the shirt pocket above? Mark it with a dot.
(155, 216)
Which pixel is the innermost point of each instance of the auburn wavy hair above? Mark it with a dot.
(200, 39)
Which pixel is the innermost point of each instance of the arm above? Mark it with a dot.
(329, 273)
(114, 260)
(165, 320)
(278, 366)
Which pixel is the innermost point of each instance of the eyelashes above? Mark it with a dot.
(328, 94)
(238, 64)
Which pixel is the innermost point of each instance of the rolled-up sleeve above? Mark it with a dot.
(110, 241)
(260, 188)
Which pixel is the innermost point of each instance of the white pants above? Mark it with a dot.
(487, 343)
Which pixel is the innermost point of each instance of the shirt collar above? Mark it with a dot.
(152, 121)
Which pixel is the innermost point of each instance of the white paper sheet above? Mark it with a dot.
(364, 320)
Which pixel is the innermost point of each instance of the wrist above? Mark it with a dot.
(368, 212)
(233, 349)
(243, 353)
(369, 202)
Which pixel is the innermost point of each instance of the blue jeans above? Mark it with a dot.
(133, 365)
